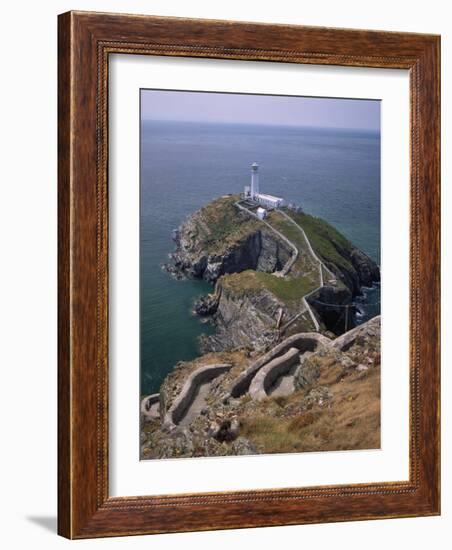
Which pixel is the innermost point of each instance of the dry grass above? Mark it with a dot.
(350, 421)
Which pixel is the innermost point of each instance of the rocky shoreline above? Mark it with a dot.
(333, 402)
(277, 376)
(229, 249)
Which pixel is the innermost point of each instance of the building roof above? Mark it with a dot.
(269, 197)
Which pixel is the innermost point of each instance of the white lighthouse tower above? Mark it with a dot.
(251, 192)
(254, 180)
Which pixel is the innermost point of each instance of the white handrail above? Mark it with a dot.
(311, 250)
(292, 260)
(295, 252)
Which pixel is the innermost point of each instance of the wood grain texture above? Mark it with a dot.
(64, 295)
(85, 42)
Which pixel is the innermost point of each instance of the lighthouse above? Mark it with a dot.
(254, 180)
(251, 192)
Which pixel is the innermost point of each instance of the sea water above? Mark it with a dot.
(330, 173)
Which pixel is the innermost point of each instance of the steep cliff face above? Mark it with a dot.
(240, 256)
(329, 397)
(334, 404)
(245, 320)
(352, 266)
(205, 251)
(367, 270)
(329, 305)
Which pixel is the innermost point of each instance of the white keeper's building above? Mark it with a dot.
(261, 213)
(251, 192)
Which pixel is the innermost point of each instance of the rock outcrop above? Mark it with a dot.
(367, 270)
(328, 302)
(244, 320)
(258, 249)
(357, 270)
(269, 380)
(334, 404)
(221, 240)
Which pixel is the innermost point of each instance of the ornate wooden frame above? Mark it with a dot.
(85, 42)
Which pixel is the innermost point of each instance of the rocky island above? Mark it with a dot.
(244, 257)
(286, 369)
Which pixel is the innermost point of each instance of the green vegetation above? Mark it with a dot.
(305, 266)
(241, 283)
(287, 289)
(221, 225)
(303, 277)
(326, 241)
(288, 230)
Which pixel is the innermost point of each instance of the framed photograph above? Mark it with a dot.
(248, 275)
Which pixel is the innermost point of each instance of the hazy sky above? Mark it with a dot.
(260, 109)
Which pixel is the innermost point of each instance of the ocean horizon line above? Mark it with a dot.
(255, 124)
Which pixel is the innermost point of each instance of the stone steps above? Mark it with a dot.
(271, 375)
